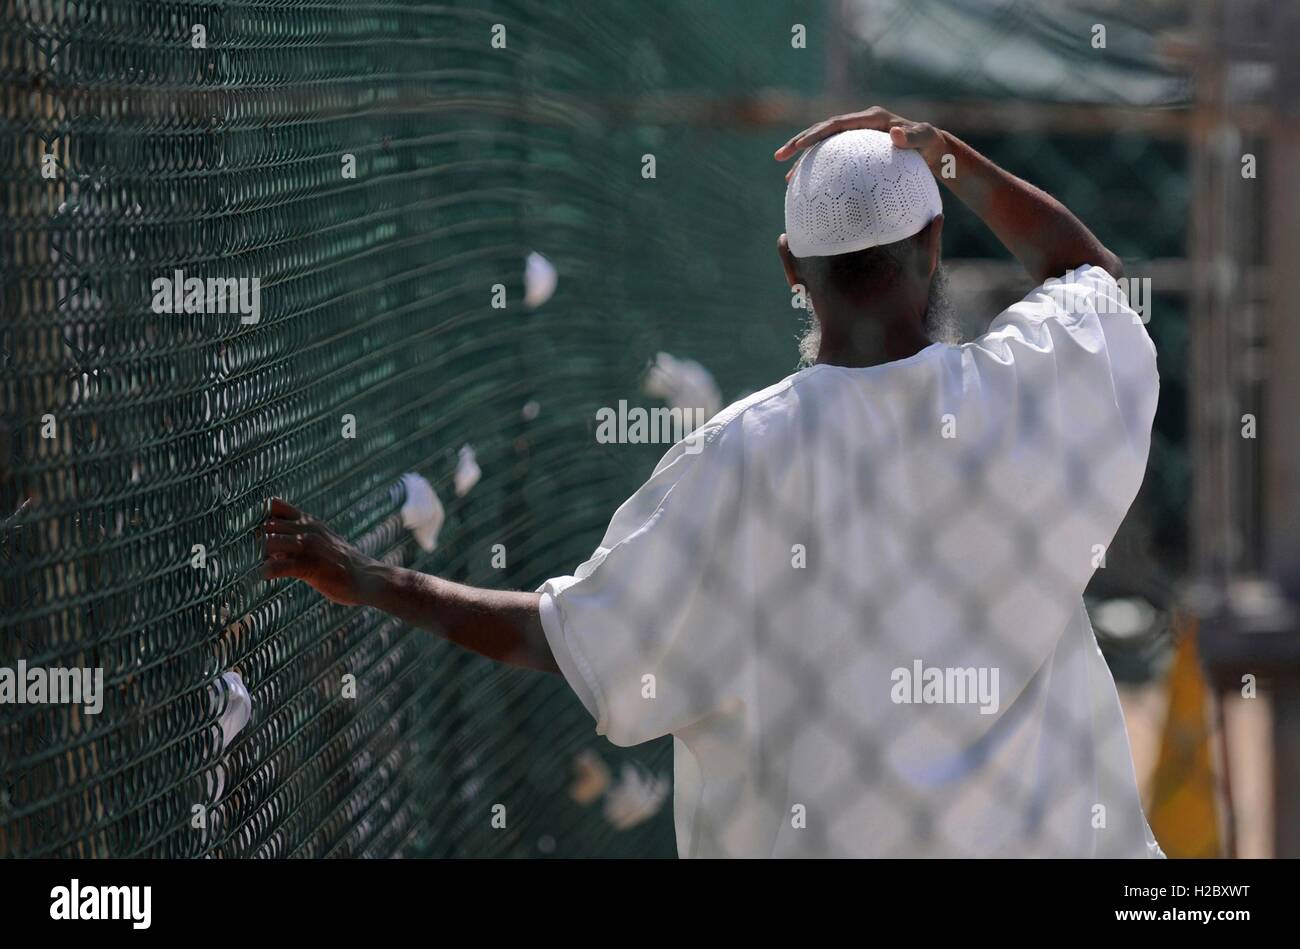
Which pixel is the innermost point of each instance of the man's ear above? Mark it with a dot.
(788, 261)
(933, 243)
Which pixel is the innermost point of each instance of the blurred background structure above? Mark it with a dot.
(629, 145)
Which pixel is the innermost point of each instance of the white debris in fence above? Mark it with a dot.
(636, 798)
(422, 514)
(237, 713)
(467, 471)
(684, 384)
(540, 278)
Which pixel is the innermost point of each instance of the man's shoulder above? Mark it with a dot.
(774, 397)
(771, 419)
(823, 389)
(724, 436)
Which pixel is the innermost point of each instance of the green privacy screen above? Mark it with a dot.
(379, 168)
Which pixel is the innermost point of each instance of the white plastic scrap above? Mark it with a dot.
(239, 709)
(422, 514)
(685, 384)
(636, 798)
(238, 712)
(467, 471)
(540, 278)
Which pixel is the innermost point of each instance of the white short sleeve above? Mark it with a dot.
(640, 629)
(1059, 397)
(1103, 360)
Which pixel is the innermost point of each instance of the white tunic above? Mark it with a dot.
(857, 606)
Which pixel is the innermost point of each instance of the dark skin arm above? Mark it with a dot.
(500, 624)
(1036, 228)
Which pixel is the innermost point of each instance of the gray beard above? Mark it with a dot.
(939, 321)
(811, 340)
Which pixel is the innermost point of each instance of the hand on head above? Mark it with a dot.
(903, 133)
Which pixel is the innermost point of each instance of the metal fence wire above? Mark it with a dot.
(384, 171)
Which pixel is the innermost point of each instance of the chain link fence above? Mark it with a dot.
(460, 260)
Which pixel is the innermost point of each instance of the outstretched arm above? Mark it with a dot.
(1038, 230)
(501, 625)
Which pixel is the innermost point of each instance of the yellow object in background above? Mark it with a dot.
(1183, 811)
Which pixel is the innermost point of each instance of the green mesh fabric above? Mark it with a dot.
(129, 436)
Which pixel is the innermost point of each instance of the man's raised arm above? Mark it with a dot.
(1038, 230)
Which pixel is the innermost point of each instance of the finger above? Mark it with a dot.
(906, 136)
(793, 168)
(277, 525)
(809, 136)
(284, 544)
(279, 507)
(788, 150)
(911, 135)
(873, 118)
